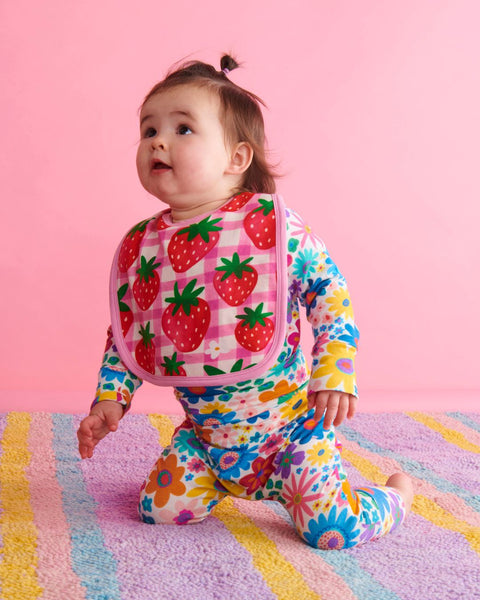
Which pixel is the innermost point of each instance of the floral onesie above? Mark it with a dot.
(256, 438)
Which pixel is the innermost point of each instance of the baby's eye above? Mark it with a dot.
(183, 130)
(149, 132)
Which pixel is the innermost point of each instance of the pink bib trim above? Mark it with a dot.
(204, 301)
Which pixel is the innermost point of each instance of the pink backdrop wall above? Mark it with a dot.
(373, 115)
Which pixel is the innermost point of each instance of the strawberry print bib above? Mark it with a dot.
(201, 301)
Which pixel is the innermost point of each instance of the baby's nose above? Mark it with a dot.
(158, 141)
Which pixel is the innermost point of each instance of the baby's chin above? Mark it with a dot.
(181, 211)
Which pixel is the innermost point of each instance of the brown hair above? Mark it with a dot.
(241, 114)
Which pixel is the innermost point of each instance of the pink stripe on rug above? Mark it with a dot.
(58, 581)
(315, 571)
(450, 502)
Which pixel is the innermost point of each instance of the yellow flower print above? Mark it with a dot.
(320, 454)
(208, 488)
(338, 365)
(214, 407)
(295, 406)
(340, 304)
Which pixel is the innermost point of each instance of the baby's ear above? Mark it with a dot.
(241, 158)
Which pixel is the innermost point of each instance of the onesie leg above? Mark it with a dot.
(327, 513)
(181, 488)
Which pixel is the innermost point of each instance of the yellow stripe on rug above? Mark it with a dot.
(18, 567)
(451, 436)
(423, 506)
(265, 556)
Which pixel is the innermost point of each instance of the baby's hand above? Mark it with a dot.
(336, 405)
(103, 418)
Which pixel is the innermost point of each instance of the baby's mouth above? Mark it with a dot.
(158, 165)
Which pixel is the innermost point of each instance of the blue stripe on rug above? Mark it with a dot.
(465, 419)
(89, 553)
(344, 563)
(412, 467)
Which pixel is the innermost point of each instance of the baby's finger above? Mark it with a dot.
(331, 411)
(342, 410)
(85, 450)
(321, 402)
(352, 407)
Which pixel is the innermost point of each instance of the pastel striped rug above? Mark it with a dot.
(69, 529)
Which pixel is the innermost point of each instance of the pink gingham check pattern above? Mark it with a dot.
(219, 349)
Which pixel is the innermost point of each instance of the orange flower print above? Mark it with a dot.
(282, 388)
(166, 480)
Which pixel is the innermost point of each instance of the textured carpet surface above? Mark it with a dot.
(69, 529)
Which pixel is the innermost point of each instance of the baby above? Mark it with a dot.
(205, 297)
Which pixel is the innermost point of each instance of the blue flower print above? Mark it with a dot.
(305, 264)
(231, 462)
(307, 429)
(315, 288)
(333, 533)
(215, 418)
(186, 441)
(352, 336)
(264, 416)
(256, 438)
(149, 520)
(208, 394)
(147, 504)
(378, 498)
(108, 374)
(332, 267)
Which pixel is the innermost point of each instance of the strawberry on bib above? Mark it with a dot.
(201, 301)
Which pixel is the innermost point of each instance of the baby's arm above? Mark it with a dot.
(115, 390)
(322, 290)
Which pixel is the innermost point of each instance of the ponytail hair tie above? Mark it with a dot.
(227, 64)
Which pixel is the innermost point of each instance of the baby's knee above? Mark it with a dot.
(336, 530)
(172, 510)
(328, 539)
(179, 512)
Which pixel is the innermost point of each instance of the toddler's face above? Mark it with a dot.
(182, 157)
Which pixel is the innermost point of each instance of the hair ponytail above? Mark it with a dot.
(227, 64)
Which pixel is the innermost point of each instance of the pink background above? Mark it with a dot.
(373, 115)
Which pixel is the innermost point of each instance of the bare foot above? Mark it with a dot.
(403, 484)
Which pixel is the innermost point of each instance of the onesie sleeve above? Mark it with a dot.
(321, 289)
(115, 381)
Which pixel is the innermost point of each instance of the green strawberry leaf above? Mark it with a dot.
(211, 370)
